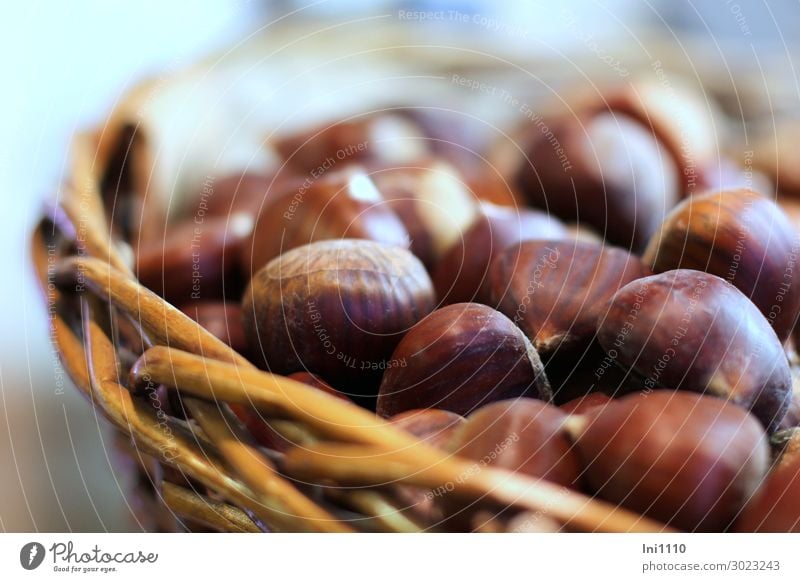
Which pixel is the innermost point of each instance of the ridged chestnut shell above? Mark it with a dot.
(337, 309)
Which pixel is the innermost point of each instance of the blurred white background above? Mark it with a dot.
(63, 67)
(64, 64)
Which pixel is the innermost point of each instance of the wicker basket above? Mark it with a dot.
(118, 341)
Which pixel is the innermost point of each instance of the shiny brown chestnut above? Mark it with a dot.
(336, 308)
(602, 169)
(742, 237)
(586, 403)
(341, 204)
(433, 201)
(523, 435)
(687, 460)
(556, 290)
(689, 330)
(196, 259)
(459, 358)
(462, 274)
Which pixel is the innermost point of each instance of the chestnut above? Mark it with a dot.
(459, 358)
(689, 330)
(776, 506)
(785, 449)
(336, 308)
(775, 155)
(462, 273)
(195, 260)
(585, 403)
(487, 185)
(342, 204)
(222, 318)
(685, 459)
(245, 193)
(685, 121)
(387, 137)
(602, 169)
(556, 290)
(522, 435)
(434, 426)
(742, 237)
(433, 201)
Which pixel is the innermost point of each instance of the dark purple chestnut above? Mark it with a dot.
(687, 460)
(244, 193)
(742, 237)
(336, 308)
(459, 358)
(689, 330)
(685, 122)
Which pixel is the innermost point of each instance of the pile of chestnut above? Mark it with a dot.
(605, 307)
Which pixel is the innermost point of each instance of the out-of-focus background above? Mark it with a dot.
(65, 65)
